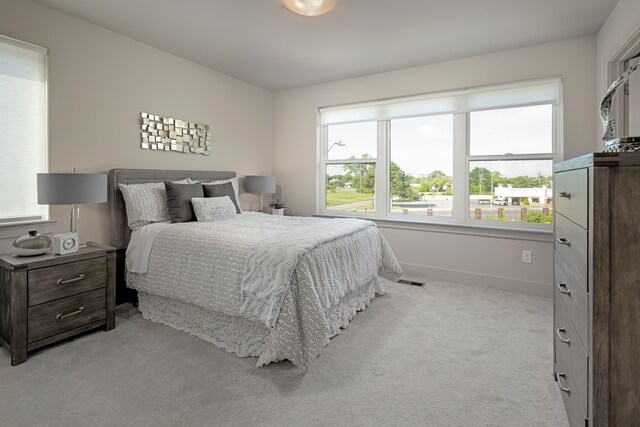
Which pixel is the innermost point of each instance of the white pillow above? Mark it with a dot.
(146, 203)
(209, 209)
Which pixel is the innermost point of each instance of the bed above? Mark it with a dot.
(257, 285)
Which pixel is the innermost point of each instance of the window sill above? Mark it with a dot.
(514, 233)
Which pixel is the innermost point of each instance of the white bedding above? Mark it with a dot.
(206, 264)
(140, 244)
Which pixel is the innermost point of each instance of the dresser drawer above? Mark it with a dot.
(571, 196)
(49, 319)
(575, 412)
(574, 299)
(567, 342)
(60, 281)
(572, 243)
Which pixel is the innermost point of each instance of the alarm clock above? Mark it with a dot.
(65, 243)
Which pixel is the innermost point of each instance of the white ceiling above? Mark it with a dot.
(261, 42)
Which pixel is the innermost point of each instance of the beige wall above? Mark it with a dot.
(100, 81)
(622, 25)
(435, 252)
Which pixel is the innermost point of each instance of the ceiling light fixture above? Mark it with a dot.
(309, 7)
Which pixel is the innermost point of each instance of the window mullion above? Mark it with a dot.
(343, 161)
(494, 157)
(557, 134)
(460, 172)
(321, 189)
(382, 170)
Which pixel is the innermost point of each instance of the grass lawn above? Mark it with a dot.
(344, 197)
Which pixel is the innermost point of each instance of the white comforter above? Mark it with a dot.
(231, 266)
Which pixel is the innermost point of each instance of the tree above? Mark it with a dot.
(361, 174)
(480, 181)
(369, 180)
(400, 183)
(438, 181)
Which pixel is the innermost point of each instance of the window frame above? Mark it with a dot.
(45, 218)
(461, 160)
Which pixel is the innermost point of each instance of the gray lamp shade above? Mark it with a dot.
(260, 184)
(71, 188)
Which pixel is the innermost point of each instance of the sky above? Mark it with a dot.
(423, 144)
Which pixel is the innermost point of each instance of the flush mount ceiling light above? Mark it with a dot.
(309, 7)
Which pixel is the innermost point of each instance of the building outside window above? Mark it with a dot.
(23, 121)
(479, 156)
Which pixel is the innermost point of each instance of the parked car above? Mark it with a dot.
(500, 201)
(484, 201)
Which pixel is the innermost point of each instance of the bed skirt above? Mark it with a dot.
(242, 336)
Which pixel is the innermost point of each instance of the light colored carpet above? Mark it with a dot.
(442, 355)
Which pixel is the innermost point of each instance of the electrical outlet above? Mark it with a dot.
(526, 257)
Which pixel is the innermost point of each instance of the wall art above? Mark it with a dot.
(168, 134)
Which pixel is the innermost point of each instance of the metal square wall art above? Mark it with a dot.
(167, 134)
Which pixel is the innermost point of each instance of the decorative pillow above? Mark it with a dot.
(234, 183)
(145, 203)
(221, 190)
(179, 200)
(213, 208)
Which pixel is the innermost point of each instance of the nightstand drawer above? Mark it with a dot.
(572, 195)
(62, 315)
(60, 281)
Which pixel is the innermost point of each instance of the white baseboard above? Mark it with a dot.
(420, 272)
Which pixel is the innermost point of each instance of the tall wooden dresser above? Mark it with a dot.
(597, 288)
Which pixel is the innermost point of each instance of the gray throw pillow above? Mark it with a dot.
(221, 190)
(179, 200)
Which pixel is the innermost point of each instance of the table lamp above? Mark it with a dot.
(260, 184)
(72, 189)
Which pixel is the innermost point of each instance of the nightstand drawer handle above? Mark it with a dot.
(73, 313)
(565, 195)
(562, 287)
(564, 241)
(73, 279)
(565, 389)
(560, 332)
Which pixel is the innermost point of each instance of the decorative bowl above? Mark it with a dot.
(31, 244)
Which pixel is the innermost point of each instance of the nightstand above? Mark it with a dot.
(48, 298)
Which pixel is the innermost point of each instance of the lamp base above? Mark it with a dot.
(75, 219)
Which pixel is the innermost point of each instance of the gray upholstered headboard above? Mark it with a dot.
(120, 232)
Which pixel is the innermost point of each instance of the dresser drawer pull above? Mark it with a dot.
(73, 279)
(563, 241)
(565, 195)
(562, 287)
(562, 331)
(558, 376)
(73, 313)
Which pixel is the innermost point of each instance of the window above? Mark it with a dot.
(478, 156)
(351, 169)
(23, 120)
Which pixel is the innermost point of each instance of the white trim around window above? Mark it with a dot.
(541, 97)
